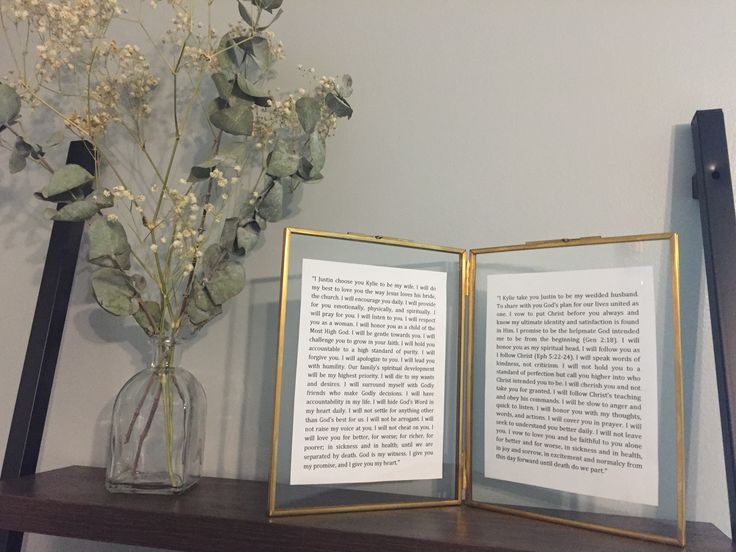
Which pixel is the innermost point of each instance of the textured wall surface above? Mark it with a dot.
(478, 123)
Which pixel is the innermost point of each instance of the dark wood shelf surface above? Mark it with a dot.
(229, 515)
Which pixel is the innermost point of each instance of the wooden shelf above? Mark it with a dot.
(229, 515)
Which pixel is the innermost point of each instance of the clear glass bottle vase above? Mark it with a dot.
(157, 433)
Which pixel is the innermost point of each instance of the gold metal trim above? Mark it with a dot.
(579, 524)
(273, 509)
(567, 242)
(279, 364)
(341, 509)
(679, 402)
(679, 412)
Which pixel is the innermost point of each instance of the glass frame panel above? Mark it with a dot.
(286, 499)
(512, 495)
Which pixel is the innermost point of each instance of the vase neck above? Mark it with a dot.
(166, 354)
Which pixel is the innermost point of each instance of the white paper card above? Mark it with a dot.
(571, 382)
(370, 374)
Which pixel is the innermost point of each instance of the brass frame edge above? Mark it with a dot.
(279, 368)
(314, 510)
(672, 238)
(564, 242)
(653, 537)
(679, 401)
(354, 236)
(469, 380)
(273, 510)
(461, 455)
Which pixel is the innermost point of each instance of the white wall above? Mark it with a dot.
(478, 123)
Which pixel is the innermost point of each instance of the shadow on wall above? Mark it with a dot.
(261, 344)
(684, 219)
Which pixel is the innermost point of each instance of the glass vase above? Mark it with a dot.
(157, 433)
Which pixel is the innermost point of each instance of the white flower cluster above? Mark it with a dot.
(63, 27)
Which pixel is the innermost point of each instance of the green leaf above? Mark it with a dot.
(66, 179)
(16, 162)
(148, 317)
(76, 211)
(226, 282)
(229, 233)
(308, 110)
(282, 162)
(236, 120)
(250, 89)
(227, 56)
(317, 154)
(213, 257)
(268, 5)
(259, 51)
(338, 105)
(108, 244)
(200, 308)
(113, 292)
(271, 207)
(246, 210)
(199, 172)
(9, 104)
(244, 14)
(139, 281)
(275, 18)
(223, 85)
(248, 237)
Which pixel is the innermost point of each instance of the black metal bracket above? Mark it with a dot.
(39, 367)
(713, 188)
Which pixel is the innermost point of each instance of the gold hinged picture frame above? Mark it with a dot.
(469, 486)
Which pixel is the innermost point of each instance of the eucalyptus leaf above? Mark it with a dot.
(223, 85)
(248, 237)
(259, 50)
(113, 292)
(108, 244)
(236, 120)
(282, 162)
(148, 317)
(244, 14)
(216, 105)
(268, 5)
(76, 211)
(271, 206)
(275, 18)
(317, 153)
(227, 56)
(250, 89)
(213, 257)
(16, 162)
(100, 199)
(229, 233)
(226, 282)
(308, 110)
(338, 105)
(246, 210)
(9, 104)
(200, 308)
(200, 172)
(65, 179)
(139, 281)
(261, 222)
